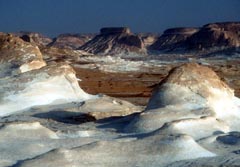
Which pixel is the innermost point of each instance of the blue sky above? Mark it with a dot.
(52, 17)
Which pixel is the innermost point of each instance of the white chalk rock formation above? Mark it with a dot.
(53, 84)
(33, 130)
(191, 97)
(105, 107)
(156, 150)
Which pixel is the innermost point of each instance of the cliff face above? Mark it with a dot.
(114, 41)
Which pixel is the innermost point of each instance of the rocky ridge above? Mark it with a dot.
(213, 36)
(70, 41)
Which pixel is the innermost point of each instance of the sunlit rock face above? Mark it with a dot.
(114, 40)
(16, 54)
(51, 84)
(190, 93)
(148, 38)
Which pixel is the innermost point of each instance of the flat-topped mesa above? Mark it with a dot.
(115, 41)
(18, 54)
(114, 30)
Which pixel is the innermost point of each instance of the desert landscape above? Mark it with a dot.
(118, 98)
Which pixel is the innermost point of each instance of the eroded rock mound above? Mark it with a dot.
(18, 54)
(114, 41)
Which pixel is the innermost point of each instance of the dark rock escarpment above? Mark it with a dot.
(114, 30)
(172, 38)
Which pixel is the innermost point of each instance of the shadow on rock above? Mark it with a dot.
(66, 117)
(117, 123)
